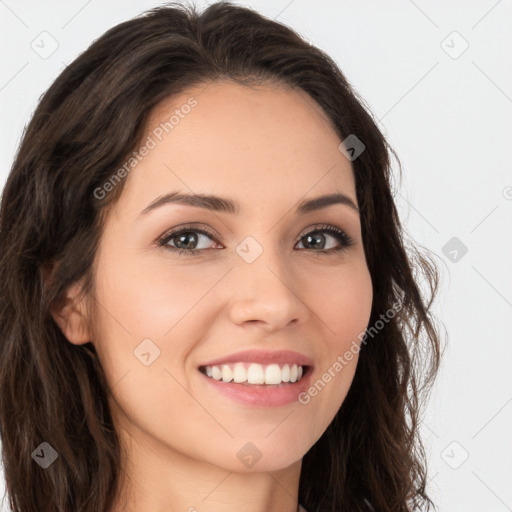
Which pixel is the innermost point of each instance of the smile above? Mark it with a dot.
(254, 373)
(258, 393)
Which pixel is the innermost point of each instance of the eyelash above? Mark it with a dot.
(342, 237)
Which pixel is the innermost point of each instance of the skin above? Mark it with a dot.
(267, 147)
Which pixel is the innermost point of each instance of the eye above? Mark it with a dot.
(185, 239)
(316, 237)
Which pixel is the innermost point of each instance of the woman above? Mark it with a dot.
(171, 336)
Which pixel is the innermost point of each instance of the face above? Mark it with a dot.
(266, 278)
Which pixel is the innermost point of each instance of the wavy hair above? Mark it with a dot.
(86, 124)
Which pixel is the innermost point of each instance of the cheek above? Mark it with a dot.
(343, 303)
(149, 319)
(343, 306)
(149, 300)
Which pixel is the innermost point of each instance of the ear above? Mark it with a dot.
(71, 314)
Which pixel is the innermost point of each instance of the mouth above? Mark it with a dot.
(258, 378)
(253, 375)
(273, 388)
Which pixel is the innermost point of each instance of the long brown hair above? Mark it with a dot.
(86, 124)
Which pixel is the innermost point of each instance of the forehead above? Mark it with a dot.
(252, 143)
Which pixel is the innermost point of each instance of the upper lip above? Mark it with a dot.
(263, 357)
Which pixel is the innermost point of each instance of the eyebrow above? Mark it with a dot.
(224, 205)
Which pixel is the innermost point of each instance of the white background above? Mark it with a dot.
(448, 118)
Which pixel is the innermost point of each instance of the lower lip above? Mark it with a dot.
(261, 395)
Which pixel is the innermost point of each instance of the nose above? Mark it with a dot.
(266, 292)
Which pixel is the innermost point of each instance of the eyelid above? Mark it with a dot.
(200, 228)
(334, 231)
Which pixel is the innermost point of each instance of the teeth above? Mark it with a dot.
(255, 373)
(239, 373)
(273, 374)
(216, 373)
(227, 374)
(285, 373)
